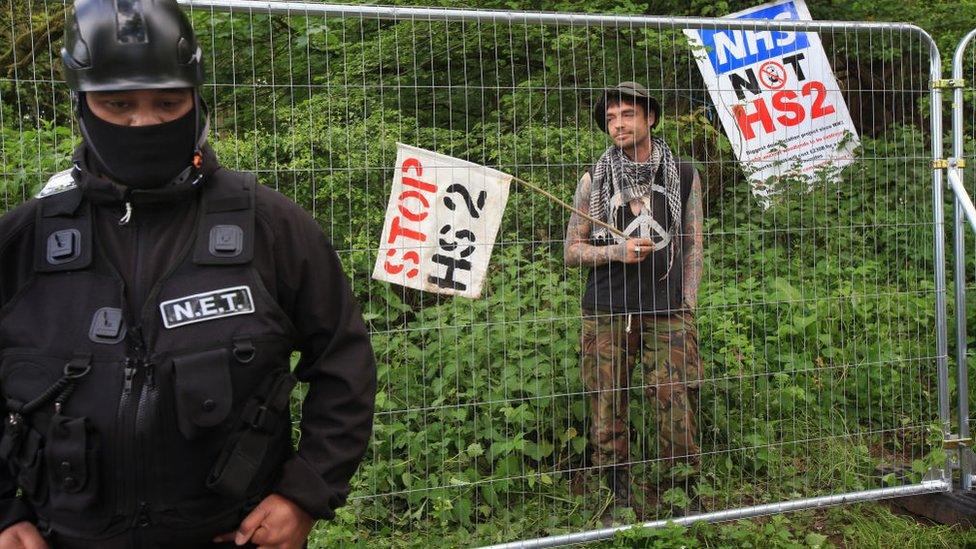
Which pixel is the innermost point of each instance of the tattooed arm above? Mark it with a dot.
(577, 250)
(693, 245)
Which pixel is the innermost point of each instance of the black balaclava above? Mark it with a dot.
(140, 157)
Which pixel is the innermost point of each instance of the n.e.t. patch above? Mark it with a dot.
(206, 306)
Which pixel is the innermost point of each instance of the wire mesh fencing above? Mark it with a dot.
(817, 311)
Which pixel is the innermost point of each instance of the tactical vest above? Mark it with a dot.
(176, 419)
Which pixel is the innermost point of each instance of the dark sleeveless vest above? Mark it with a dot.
(648, 287)
(172, 417)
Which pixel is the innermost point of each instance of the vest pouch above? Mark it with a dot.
(204, 394)
(30, 467)
(24, 376)
(22, 450)
(12, 440)
(72, 456)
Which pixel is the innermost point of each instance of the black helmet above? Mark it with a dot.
(130, 45)
(118, 45)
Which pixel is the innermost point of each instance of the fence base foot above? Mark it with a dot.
(952, 508)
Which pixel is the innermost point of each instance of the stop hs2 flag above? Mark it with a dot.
(441, 222)
(777, 98)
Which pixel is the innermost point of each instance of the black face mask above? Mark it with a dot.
(141, 157)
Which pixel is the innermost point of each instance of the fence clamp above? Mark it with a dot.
(945, 83)
(953, 443)
(951, 162)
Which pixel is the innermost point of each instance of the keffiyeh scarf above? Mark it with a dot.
(617, 180)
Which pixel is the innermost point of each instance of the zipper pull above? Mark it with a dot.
(150, 374)
(144, 520)
(130, 372)
(137, 342)
(128, 214)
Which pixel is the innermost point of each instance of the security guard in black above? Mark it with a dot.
(150, 301)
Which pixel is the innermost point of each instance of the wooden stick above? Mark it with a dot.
(588, 217)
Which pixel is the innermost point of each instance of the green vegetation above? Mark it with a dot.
(816, 315)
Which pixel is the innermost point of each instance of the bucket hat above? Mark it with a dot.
(632, 91)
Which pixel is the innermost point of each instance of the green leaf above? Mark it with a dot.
(815, 540)
(475, 450)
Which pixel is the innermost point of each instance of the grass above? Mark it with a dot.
(860, 525)
(831, 466)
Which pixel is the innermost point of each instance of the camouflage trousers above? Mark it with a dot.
(666, 347)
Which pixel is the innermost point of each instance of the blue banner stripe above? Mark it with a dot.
(729, 50)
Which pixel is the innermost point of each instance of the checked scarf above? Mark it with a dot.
(617, 180)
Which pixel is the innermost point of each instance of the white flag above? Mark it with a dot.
(441, 222)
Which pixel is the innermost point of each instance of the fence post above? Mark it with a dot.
(938, 222)
(956, 165)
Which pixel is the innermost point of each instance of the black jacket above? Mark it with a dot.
(299, 271)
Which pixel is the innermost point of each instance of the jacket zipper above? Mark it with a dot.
(137, 422)
(137, 278)
(133, 422)
(121, 426)
(125, 424)
(145, 408)
(128, 483)
(138, 377)
(145, 412)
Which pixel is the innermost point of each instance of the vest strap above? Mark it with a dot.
(243, 455)
(63, 233)
(60, 390)
(225, 232)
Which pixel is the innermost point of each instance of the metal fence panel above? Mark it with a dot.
(821, 319)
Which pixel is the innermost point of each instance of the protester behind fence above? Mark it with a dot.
(640, 296)
(150, 301)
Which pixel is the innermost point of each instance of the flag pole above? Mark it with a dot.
(585, 216)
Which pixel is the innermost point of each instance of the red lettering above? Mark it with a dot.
(747, 120)
(818, 109)
(410, 256)
(413, 163)
(782, 101)
(407, 213)
(396, 231)
(427, 187)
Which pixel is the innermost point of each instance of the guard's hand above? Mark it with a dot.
(635, 250)
(22, 535)
(276, 523)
